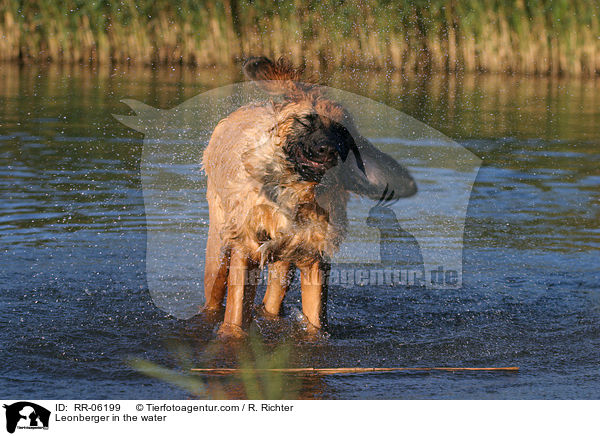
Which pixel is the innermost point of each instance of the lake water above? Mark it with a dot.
(74, 291)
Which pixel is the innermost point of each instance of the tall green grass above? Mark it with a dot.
(536, 36)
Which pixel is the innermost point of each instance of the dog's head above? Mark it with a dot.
(318, 135)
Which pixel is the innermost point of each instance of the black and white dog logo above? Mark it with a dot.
(26, 415)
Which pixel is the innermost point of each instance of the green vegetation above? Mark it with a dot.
(535, 36)
(251, 355)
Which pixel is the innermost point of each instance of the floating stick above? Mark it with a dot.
(233, 371)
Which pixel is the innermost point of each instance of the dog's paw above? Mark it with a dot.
(262, 312)
(229, 331)
(212, 315)
(309, 331)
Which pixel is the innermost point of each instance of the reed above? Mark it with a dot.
(254, 378)
(554, 37)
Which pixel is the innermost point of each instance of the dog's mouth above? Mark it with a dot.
(309, 167)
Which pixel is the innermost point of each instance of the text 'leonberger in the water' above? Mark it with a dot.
(279, 174)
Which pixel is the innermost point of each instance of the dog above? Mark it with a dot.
(279, 175)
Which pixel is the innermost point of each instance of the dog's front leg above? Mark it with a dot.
(240, 293)
(215, 272)
(277, 285)
(314, 293)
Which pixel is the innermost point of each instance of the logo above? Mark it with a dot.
(26, 415)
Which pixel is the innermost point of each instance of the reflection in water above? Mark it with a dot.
(72, 243)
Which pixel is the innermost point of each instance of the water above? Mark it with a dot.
(75, 301)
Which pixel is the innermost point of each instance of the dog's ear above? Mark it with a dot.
(276, 78)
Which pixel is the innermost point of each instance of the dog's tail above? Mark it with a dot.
(276, 78)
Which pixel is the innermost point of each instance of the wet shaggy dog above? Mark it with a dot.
(279, 174)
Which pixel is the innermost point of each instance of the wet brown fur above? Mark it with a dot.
(261, 210)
